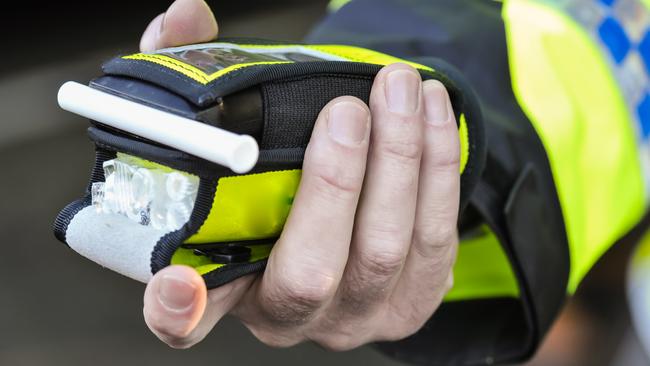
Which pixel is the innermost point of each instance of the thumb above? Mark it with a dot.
(186, 21)
(180, 311)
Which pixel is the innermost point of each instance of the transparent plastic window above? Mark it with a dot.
(146, 193)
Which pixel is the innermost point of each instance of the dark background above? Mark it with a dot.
(57, 308)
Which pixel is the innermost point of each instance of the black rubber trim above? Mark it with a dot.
(247, 243)
(167, 245)
(231, 272)
(269, 160)
(225, 254)
(66, 215)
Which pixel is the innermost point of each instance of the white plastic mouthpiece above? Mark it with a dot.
(237, 152)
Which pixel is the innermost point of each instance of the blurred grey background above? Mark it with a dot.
(57, 308)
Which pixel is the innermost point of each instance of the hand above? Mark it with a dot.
(368, 249)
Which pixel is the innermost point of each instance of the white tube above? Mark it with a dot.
(237, 152)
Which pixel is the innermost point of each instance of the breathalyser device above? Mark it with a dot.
(199, 149)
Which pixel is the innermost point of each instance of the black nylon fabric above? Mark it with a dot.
(64, 217)
(516, 195)
(290, 112)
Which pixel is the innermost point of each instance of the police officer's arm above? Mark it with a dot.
(367, 251)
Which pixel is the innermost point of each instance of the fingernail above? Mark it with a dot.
(402, 91)
(436, 106)
(176, 294)
(348, 123)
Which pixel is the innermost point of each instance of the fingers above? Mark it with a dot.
(367, 251)
(186, 21)
(179, 310)
(308, 261)
(427, 274)
(387, 211)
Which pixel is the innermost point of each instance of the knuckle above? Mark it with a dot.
(308, 295)
(331, 179)
(381, 263)
(446, 149)
(334, 183)
(404, 151)
(433, 238)
(445, 162)
(366, 283)
(335, 169)
(295, 299)
(445, 236)
(399, 163)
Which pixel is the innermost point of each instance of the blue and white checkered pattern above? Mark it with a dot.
(622, 29)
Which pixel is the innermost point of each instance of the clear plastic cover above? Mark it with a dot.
(149, 196)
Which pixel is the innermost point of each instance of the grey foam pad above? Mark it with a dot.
(114, 242)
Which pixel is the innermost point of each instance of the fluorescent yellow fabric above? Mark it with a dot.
(249, 207)
(256, 206)
(482, 270)
(134, 160)
(642, 254)
(464, 143)
(335, 5)
(203, 265)
(563, 83)
(191, 71)
(358, 54)
(348, 52)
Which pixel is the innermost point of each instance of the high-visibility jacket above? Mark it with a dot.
(566, 99)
